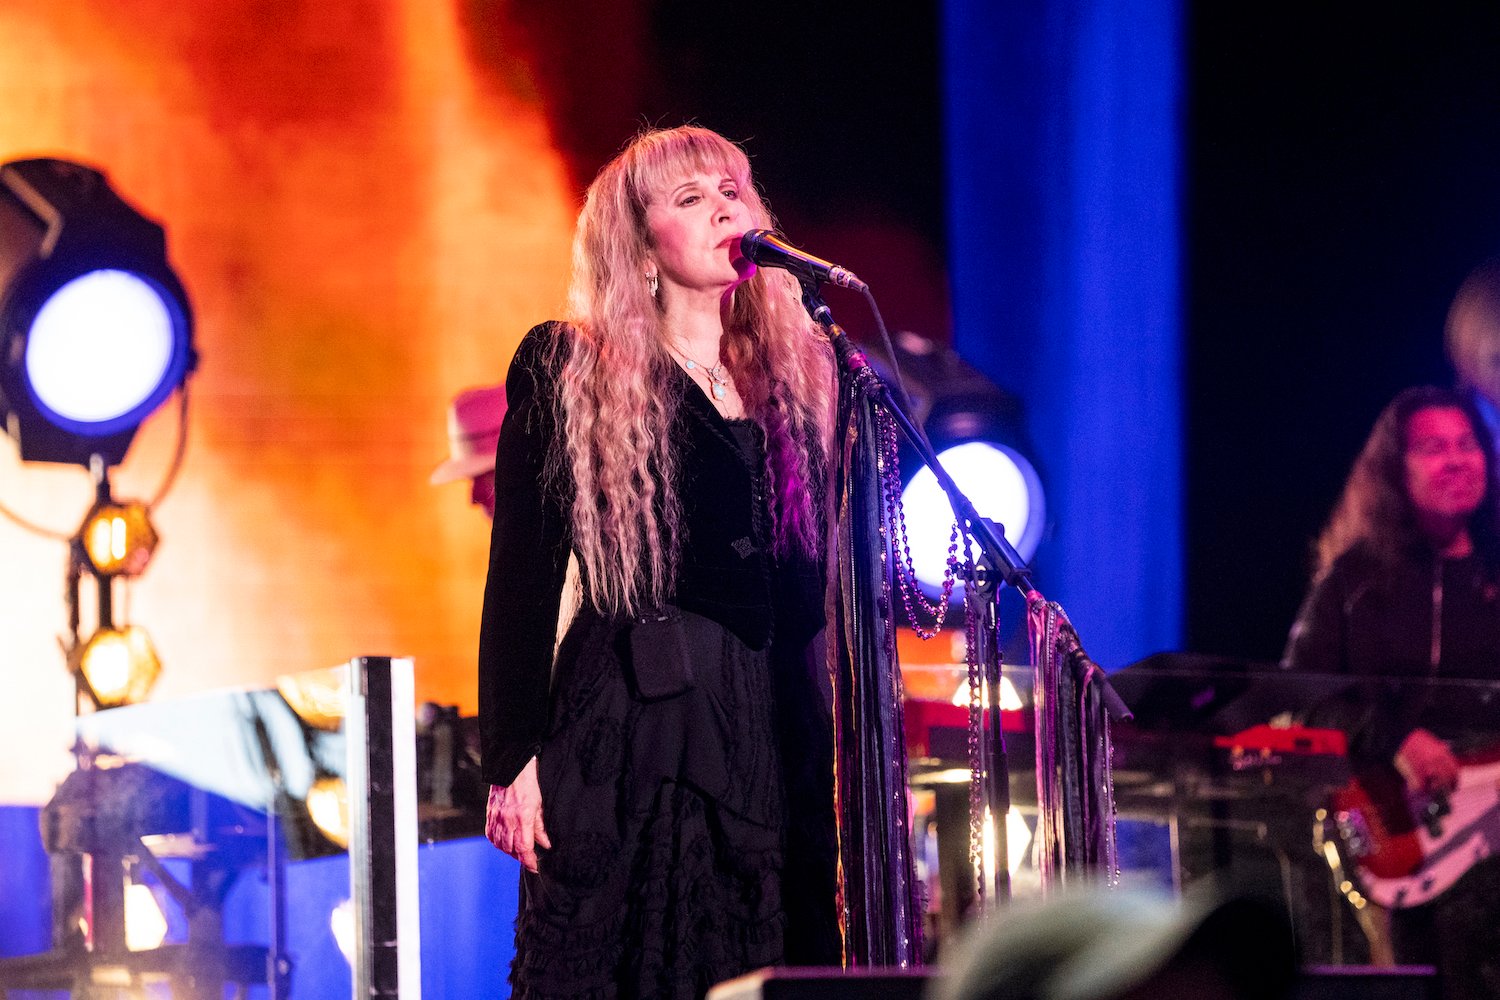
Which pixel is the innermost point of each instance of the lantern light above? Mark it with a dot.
(118, 538)
(145, 923)
(119, 665)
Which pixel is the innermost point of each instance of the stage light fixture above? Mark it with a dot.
(1004, 488)
(118, 538)
(1010, 698)
(119, 665)
(978, 431)
(95, 327)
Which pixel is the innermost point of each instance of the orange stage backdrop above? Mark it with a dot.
(366, 221)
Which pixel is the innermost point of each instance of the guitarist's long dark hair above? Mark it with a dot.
(1376, 512)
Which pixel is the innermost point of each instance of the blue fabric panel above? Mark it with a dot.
(1063, 135)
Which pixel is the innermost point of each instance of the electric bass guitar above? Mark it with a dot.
(1410, 848)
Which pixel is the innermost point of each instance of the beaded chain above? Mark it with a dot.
(898, 543)
(1111, 845)
(973, 615)
(895, 515)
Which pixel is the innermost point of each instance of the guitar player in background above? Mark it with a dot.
(1406, 591)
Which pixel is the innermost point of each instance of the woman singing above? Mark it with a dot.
(666, 778)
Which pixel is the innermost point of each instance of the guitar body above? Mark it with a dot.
(1410, 849)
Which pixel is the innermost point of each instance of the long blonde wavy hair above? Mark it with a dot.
(614, 369)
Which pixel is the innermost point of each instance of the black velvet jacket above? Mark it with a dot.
(726, 573)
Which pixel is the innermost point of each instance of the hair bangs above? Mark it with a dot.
(657, 160)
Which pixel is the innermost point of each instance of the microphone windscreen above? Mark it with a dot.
(753, 243)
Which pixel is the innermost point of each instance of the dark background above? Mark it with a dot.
(1341, 176)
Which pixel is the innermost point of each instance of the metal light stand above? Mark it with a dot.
(78, 564)
(76, 877)
(381, 777)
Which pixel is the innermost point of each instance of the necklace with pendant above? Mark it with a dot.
(718, 378)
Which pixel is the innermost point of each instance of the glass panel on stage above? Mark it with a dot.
(266, 844)
(205, 849)
(1241, 773)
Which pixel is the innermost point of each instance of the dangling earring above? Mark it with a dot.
(652, 283)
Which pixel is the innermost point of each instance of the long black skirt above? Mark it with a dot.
(692, 835)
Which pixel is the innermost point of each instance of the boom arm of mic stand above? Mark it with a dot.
(997, 549)
(993, 542)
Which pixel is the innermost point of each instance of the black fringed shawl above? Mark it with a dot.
(879, 913)
(1074, 786)
(878, 910)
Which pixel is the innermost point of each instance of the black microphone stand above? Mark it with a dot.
(998, 562)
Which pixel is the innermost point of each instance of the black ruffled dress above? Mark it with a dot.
(693, 833)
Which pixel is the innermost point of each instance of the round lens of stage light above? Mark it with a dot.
(1001, 484)
(100, 348)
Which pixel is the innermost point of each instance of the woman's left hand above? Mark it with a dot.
(513, 817)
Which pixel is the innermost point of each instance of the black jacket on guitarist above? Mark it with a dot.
(1398, 627)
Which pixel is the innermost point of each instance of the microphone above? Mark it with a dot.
(769, 249)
